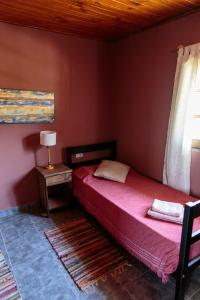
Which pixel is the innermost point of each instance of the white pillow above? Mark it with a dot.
(112, 170)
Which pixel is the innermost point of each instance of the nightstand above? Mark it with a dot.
(55, 187)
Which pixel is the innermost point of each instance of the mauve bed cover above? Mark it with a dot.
(122, 210)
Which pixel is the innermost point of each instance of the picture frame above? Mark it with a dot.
(26, 107)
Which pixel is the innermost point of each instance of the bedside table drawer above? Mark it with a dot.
(55, 187)
(55, 179)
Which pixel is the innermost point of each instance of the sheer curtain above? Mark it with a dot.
(176, 172)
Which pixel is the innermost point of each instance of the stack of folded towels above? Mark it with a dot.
(167, 211)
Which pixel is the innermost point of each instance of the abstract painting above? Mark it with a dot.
(22, 107)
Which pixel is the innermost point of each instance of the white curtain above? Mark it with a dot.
(176, 172)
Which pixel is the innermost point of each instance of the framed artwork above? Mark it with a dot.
(25, 107)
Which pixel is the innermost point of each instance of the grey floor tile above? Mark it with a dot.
(149, 287)
(20, 226)
(131, 273)
(196, 295)
(40, 275)
(56, 218)
(113, 289)
(3, 248)
(28, 282)
(43, 272)
(193, 282)
(41, 223)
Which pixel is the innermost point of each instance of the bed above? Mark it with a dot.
(121, 208)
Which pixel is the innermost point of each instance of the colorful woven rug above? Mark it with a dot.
(86, 252)
(8, 288)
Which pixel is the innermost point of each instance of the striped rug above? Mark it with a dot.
(8, 288)
(86, 252)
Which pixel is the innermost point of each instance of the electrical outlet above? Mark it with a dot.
(79, 155)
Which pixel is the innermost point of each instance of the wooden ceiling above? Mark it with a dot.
(98, 19)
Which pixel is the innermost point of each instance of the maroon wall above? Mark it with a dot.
(144, 69)
(133, 90)
(76, 70)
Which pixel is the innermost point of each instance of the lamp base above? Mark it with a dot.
(50, 167)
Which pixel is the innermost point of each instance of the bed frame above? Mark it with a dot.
(192, 211)
(81, 155)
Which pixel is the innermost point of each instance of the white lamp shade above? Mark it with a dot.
(47, 138)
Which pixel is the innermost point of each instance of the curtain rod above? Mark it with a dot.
(180, 46)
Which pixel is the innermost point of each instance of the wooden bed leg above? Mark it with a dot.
(180, 287)
(184, 253)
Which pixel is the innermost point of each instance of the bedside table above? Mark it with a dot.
(55, 187)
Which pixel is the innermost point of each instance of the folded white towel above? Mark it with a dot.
(164, 217)
(167, 208)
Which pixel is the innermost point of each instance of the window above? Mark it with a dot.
(184, 122)
(196, 118)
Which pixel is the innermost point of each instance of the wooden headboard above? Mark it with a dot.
(90, 154)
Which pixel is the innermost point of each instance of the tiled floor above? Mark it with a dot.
(40, 275)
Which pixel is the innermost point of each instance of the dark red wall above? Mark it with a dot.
(120, 90)
(76, 70)
(144, 69)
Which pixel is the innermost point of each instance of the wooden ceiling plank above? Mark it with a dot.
(104, 11)
(100, 18)
(68, 25)
(67, 16)
(108, 3)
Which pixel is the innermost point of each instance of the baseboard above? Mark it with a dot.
(26, 208)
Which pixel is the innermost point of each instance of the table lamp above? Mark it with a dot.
(48, 139)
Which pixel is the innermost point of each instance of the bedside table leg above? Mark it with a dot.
(43, 197)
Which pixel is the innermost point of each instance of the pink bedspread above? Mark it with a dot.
(121, 209)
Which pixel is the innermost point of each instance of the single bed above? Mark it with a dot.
(122, 210)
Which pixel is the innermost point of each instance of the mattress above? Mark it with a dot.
(122, 210)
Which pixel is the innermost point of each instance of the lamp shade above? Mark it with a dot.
(47, 138)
